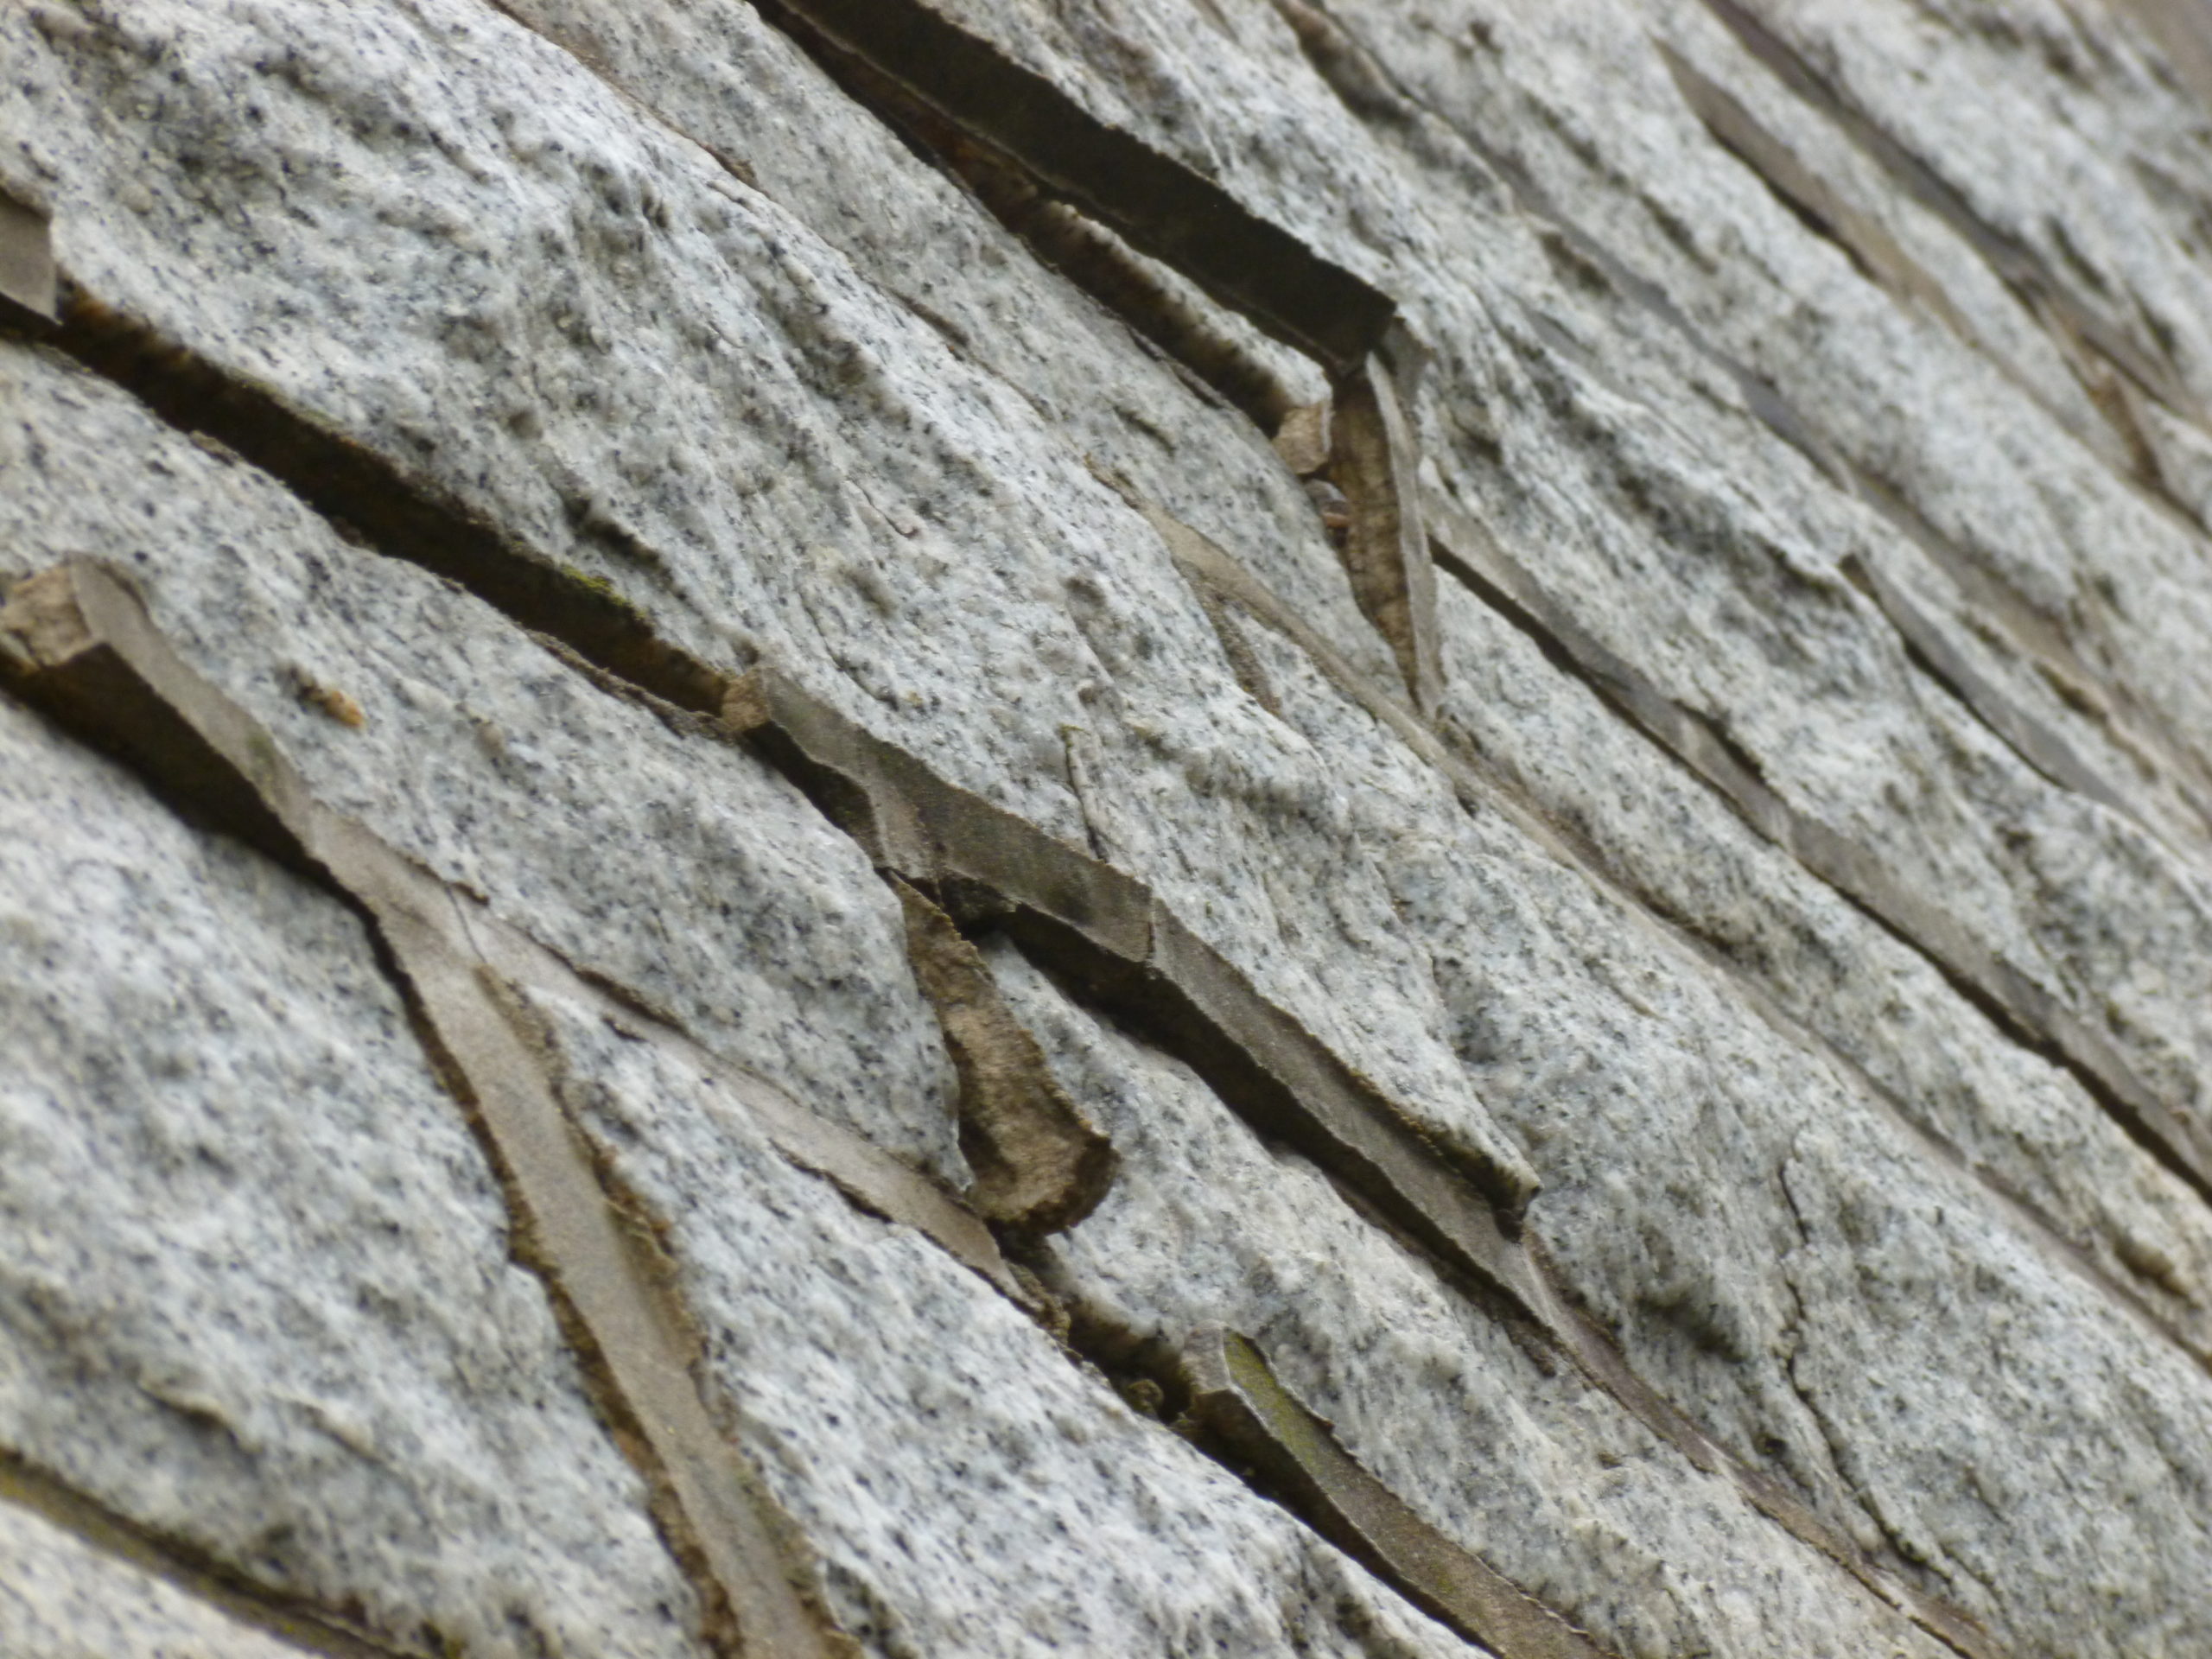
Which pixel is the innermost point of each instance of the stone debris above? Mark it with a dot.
(950, 827)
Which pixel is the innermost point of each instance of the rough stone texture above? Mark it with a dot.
(1591, 432)
(258, 1295)
(807, 470)
(1668, 837)
(681, 869)
(62, 1600)
(966, 1490)
(1743, 318)
(1674, 1210)
(1552, 1483)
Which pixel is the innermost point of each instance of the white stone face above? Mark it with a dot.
(645, 290)
(1825, 964)
(1626, 469)
(1554, 1484)
(679, 867)
(967, 1488)
(258, 1295)
(1711, 1189)
(61, 1598)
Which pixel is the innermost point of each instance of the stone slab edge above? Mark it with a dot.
(1375, 460)
(1114, 948)
(75, 639)
(28, 279)
(1160, 206)
(1236, 1399)
(178, 1565)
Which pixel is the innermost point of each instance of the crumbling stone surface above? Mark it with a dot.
(1647, 658)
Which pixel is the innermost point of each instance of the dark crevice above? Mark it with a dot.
(1245, 1049)
(366, 492)
(916, 60)
(1327, 1112)
(2042, 641)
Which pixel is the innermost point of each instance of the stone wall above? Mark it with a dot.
(956, 827)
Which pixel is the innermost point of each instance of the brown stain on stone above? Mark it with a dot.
(1040, 1167)
(1374, 460)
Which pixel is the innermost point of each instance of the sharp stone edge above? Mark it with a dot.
(1878, 254)
(75, 641)
(1235, 1397)
(2018, 265)
(27, 296)
(1364, 83)
(1158, 205)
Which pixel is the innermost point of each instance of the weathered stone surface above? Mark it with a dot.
(677, 866)
(969, 1490)
(716, 72)
(1840, 377)
(1041, 574)
(1670, 839)
(61, 1599)
(1551, 1483)
(1672, 1211)
(1584, 427)
(258, 1297)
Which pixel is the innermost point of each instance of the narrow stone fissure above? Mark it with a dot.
(1908, 1556)
(1478, 785)
(2146, 735)
(2119, 444)
(366, 494)
(292, 1620)
(1161, 206)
